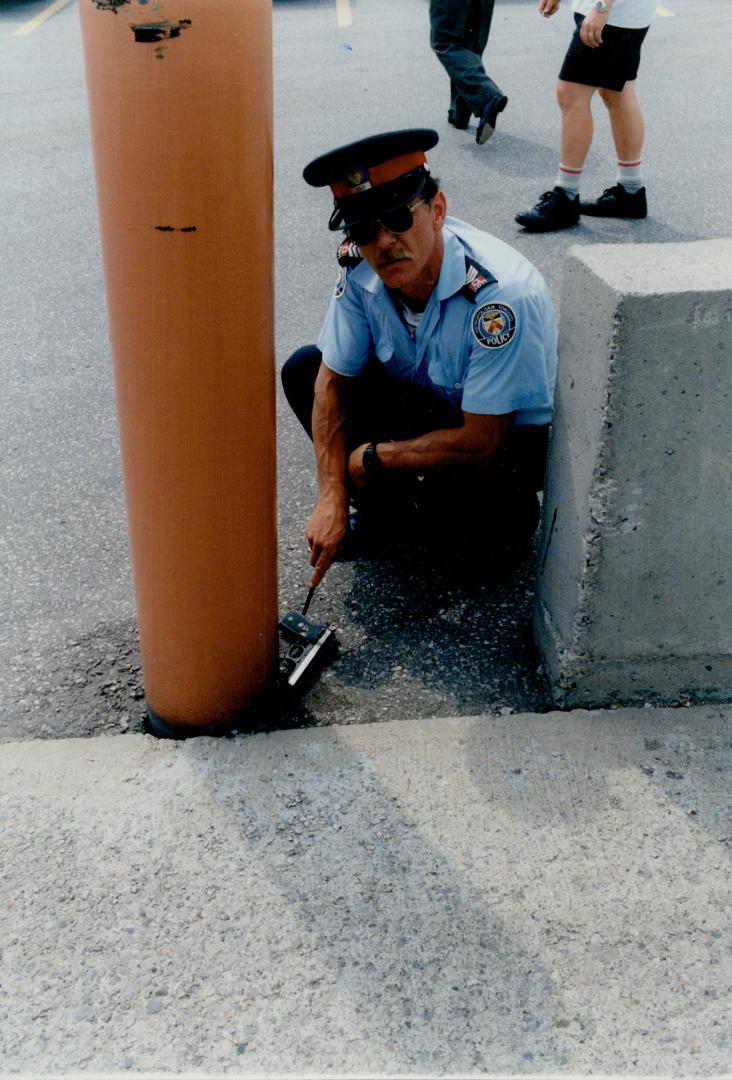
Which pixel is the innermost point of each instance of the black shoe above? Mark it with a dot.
(487, 122)
(554, 210)
(374, 525)
(363, 530)
(618, 203)
(459, 114)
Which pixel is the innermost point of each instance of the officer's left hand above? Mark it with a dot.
(592, 28)
(356, 471)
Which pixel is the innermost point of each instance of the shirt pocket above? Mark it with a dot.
(396, 363)
(446, 372)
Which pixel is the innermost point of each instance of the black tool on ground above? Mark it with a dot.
(305, 640)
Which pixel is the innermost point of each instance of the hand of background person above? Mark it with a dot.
(548, 7)
(592, 28)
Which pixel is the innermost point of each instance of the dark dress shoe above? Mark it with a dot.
(487, 122)
(618, 203)
(363, 531)
(554, 210)
(459, 114)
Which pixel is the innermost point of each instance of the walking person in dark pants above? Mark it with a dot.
(458, 36)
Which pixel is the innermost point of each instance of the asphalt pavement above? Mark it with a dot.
(415, 641)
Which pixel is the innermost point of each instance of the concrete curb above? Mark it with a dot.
(471, 896)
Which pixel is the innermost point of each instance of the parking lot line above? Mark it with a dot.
(665, 11)
(343, 13)
(30, 26)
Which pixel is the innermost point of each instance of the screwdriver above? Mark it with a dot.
(311, 590)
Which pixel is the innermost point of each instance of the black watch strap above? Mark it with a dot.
(370, 460)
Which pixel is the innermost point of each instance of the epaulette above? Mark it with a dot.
(349, 254)
(476, 278)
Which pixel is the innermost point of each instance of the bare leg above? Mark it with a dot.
(575, 103)
(559, 208)
(627, 199)
(626, 121)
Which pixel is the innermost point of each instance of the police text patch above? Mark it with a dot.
(494, 325)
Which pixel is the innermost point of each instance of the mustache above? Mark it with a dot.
(387, 259)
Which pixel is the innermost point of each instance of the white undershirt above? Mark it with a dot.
(411, 318)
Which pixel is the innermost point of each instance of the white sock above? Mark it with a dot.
(569, 179)
(629, 175)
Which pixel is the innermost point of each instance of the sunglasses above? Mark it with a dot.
(394, 221)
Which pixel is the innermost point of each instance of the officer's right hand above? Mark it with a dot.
(548, 7)
(326, 529)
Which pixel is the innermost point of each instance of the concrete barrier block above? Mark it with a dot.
(634, 598)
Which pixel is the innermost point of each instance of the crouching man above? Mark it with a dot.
(429, 393)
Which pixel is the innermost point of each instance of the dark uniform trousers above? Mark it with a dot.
(382, 409)
(458, 35)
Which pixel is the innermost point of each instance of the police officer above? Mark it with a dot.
(430, 389)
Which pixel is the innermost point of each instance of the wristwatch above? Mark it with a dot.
(602, 7)
(370, 460)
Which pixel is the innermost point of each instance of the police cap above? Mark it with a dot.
(372, 176)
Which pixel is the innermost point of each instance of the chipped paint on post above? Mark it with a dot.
(111, 5)
(158, 31)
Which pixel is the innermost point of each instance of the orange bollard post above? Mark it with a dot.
(180, 95)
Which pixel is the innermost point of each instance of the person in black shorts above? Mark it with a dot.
(604, 55)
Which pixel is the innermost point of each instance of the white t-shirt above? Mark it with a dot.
(411, 318)
(632, 14)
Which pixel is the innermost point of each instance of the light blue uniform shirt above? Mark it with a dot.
(491, 353)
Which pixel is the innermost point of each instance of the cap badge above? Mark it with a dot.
(359, 180)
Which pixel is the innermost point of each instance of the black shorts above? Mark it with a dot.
(611, 64)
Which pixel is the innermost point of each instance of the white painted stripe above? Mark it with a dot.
(343, 13)
(665, 12)
(30, 26)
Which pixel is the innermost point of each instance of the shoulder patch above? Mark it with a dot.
(349, 254)
(476, 278)
(494, 325)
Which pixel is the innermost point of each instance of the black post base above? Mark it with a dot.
(161, 729)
